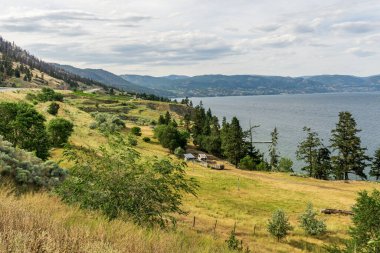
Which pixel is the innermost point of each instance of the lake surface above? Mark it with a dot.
(290, 113)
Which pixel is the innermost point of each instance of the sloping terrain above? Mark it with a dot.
(224, 197)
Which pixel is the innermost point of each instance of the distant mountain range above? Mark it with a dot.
(234, 85)
(238, 85)
(112, 80)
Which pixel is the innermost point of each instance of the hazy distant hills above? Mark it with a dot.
(234, 85)
(111, 79)
(237, 85)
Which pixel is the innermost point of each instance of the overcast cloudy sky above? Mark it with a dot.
(192, 37)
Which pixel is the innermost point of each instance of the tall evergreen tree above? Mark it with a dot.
(322, 169)
(198, 118)
(233, 141)
(375, 168)
(213, 142)
(350, 156)
(273, 154)
(251, 149)
(308, 151)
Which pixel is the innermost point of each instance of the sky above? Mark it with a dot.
(194, 37)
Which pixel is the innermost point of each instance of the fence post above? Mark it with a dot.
(216, 222)
(194, 222)
(254, 230)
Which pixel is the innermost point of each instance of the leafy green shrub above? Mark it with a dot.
(24, 127)
(59, 131)
(132, 140)
(48, 94)
(233, 243)
(247, 163)
(136, 131)
(26, 171)
(53, 108)
(30, 97)
(179, 152)
(285, 165)
(263, 166)
(279, 225)
(365, 232)
(170, 137)
(310, 223)
(146, 139)
(115, 180)
(107, 123)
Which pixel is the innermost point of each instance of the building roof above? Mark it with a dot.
(202, 156)
(189, 156)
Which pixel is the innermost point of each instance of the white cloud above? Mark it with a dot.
(357, 26)
(360, 52)
(277, 37)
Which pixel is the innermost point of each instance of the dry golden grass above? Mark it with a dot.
(41, 223)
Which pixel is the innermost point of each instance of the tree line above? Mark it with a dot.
(344, 156)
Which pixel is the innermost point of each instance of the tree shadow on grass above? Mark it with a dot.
(303, 245)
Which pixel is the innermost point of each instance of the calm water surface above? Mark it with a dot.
(290, 113)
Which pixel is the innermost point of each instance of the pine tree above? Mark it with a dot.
(308, 151)
(233, 141)
(198, 118)
(375, 168)
(279, 225)
(322, 169)
(168, 118)
(251, 149)
(274, 157)
(350, 157)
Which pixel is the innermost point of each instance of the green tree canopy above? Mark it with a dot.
(233, 143)
(365, 232)
(24, 127)
(170, 137)
(273, 154)
(375, 168)
(350, 156)
(59, 131)
(308, 151)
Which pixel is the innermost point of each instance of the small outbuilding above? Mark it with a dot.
(202, 157)
(189, 157)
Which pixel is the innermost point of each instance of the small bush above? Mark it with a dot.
(132, 140)
(107, 123)
(136, 131)
(285, 165)
(116, 179)
(48, 94)
(59, 131)
(27, 171)
(53, 108)
(279, 225)
(310, 223)
(247, 163)
(233, 243)
(146, 139)
(179, 152)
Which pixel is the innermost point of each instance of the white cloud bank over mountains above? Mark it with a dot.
(159, 37)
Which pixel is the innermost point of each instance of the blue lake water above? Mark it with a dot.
(290, 113)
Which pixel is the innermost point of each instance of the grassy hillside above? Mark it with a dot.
(228, 197)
